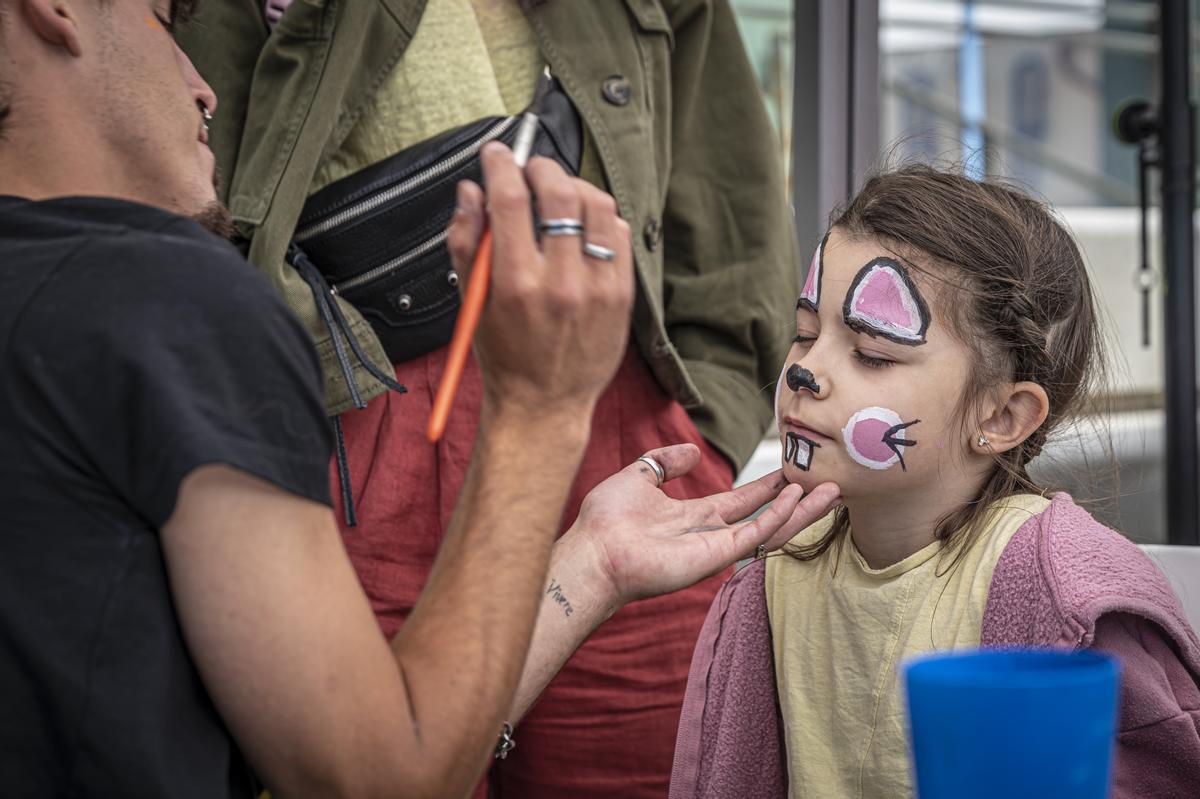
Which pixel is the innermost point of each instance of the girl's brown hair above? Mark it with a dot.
(1017, 293)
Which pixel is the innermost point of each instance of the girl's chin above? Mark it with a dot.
(806, 479)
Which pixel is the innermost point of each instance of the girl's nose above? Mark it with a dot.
(800, 378)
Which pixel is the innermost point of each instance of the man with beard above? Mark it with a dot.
(173, 590)
(329, 104)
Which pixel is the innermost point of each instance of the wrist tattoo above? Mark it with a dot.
(555, 592)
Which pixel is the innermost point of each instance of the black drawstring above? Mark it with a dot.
(338, 326)
(344, 472)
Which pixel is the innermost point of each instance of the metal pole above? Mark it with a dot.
(1178, 163)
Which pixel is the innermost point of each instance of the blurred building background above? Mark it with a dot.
(1026, 89)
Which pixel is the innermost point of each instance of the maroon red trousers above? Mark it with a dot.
(605, 727)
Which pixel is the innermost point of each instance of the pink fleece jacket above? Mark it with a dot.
(1064, 581)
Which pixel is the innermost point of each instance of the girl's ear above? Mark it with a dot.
(1018, 413)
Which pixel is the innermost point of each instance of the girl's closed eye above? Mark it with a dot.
(872, 361)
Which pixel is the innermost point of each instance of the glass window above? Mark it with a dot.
(1028, 90)
(766, 27)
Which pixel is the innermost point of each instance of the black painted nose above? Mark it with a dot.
(798, 377)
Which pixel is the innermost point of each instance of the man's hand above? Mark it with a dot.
(280, 628)
(645, 543)
(631, 541)
(557, 321)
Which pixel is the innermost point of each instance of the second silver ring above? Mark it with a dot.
(598, 252)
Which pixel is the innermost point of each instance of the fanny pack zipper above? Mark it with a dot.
(383, 269)
(386, 196)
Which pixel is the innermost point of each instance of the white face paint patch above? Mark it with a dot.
(874, 438)
(810, 295)
(778, 388)
(883, 301)
(798, 451)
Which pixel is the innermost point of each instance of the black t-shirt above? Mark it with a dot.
(135, 347)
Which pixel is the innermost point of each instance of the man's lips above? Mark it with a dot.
(796, 426)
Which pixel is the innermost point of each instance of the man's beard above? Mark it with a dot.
(215, 218)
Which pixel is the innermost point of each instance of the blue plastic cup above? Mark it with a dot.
(1005, 723)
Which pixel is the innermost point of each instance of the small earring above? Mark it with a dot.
(982, 440)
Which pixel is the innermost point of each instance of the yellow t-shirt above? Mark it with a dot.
(839, 630)
(468, 60)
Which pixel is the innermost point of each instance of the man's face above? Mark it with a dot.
(875, 377)
(151, 110)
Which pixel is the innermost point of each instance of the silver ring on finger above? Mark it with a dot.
(760, 551)
(598, 252)
(565, 226)
(659, 474)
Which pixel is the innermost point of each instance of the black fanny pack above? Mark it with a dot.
(378, 237)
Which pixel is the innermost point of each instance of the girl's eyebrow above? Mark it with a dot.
(884, 301)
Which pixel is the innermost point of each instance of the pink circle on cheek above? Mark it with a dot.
(867, 436)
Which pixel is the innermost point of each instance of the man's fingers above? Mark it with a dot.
(466, 226)
(599, 225)
(726, 545)
(557, 198)
(735, 505)
(675, 460)
(811, 508)
(508, 208)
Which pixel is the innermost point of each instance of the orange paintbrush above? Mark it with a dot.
(475, 295)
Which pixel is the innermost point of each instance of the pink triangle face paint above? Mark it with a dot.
(810, 295)
(874, 438)
(884, 301)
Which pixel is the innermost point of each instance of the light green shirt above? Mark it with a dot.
(839, 630)
(469, 59)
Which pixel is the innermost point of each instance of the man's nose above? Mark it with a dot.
(201, 91)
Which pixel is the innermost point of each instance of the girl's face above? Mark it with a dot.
(868, 395)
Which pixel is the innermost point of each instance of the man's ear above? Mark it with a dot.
(1020, 411)
(55, 22)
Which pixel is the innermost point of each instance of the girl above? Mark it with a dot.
(945, 329)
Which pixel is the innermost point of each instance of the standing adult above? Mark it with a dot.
(173, 589)
(674, 127)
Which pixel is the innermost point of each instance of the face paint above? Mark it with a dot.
(873, 437)
(798, 377)
(778, 388)
(798, 451)
(810, 296)
(883, 301)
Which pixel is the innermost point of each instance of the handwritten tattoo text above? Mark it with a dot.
(555, 592)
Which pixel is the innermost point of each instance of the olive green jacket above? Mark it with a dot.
(671, 102)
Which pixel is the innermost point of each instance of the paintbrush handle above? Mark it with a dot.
(464, 334)
(474, 296)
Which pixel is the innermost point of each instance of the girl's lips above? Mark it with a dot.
(796, 427)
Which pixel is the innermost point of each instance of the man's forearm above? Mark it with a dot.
(575, 600)
(462, 649)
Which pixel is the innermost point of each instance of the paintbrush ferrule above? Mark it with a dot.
(523, 145)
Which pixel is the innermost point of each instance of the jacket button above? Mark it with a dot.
(403, 302)
(652, 234)
(617, 90)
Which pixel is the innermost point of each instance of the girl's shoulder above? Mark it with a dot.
(1061, 571)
